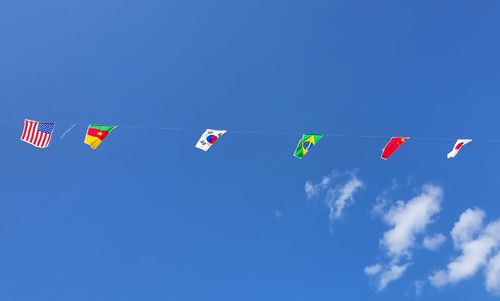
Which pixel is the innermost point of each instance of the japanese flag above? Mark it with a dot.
(458, 146)
(208, 138)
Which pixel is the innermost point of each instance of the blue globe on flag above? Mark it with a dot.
(307, 145)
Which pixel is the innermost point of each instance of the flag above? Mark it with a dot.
(96, 133)
(37, 133)
(393, 146)
(305, 143)
(458, 146)
(208, 138)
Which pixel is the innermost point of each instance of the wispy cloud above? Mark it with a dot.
(337, 191)
(386, 273)
(393, 273)
(373, 269)
(383, 200)
(407, 220)
(342, 196)
(313, 190)
(477, 244)
(468, 226)
(434, 242)
(419, 287)
(493, 275)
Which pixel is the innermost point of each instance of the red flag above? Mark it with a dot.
(393, 146)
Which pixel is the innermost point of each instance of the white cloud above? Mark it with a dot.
(469, 224)
(373, 269)
(386, 273)
(313, 190)
(380, 206)
(384, 199)
(419, 287)
(382, 202)
(336, 198)
(393, 273)
(477, 243)
(341, 197)
(493, 275)
(433, 243)
(407, 220)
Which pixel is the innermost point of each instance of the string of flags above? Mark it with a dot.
(39, 134)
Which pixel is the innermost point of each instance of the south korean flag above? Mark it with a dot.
(208, 138)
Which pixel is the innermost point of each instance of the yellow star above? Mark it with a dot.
(99, 134)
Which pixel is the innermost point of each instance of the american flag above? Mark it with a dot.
(37, 133)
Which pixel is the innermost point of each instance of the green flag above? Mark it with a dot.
(305, 144)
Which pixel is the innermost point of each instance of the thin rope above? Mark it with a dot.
(9, 121)
(264, 132)
(157, 128)
(67, 131)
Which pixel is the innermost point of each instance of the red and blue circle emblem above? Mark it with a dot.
(211, 139)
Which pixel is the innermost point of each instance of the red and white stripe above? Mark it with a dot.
(33, 136)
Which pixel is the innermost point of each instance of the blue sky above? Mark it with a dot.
(149, 217)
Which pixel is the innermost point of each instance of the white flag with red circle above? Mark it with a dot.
(458, 146)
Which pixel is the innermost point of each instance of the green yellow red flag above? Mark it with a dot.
(96, 133)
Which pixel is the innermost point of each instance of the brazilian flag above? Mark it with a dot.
(306, 143)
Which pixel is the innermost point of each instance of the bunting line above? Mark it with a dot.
(256, 132)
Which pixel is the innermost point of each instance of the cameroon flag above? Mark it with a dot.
(96, 133)
(305, 144)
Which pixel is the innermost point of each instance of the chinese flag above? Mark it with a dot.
(393, 146)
